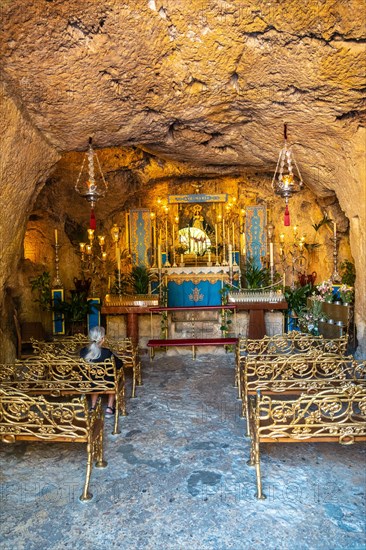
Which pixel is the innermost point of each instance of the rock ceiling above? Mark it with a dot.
(207, 83)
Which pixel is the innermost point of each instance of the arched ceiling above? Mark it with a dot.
(208, 83)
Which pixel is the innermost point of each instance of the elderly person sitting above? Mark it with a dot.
(95, 353)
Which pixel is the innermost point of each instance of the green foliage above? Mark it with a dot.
(297, 298)
(256, 277)
(76, 309)
(311, 246)
(140, 278)
(324, 221)
(42, 285)
(348, 273)
(120, 285)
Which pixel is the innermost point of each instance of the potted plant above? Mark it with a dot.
(139, 279)
(296, 299)
(75, 311)
(346, 294)
(42, 285)
(255, 276)
(348, 273)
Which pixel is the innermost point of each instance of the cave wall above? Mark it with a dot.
(137, 179)
(26, 161)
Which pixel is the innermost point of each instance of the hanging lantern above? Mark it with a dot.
(285, 182)
(89, 189)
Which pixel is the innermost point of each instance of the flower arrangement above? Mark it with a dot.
(325, 290)
(310, 317)
(346, 294)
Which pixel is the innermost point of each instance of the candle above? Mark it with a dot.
(159, 256)
(166, 236)
(118, 258)
(109, 283)
(126, 232)
(230, 249)
(335, 230)
(56, 237)
(216, 236)
(209, 255)
(232, 227)
(181, 259)
(271, 254)
(223, 229)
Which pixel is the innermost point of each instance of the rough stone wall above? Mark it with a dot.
(26, 160)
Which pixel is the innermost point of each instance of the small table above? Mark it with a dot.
(257, 327)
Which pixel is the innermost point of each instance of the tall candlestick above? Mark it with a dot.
(118, 258)
(166, 238)
(127, 233)
(232, 228)
(216, 235)
(159, 256)
(271, 254)
(230, 251)
(223, 230)
(56, 236)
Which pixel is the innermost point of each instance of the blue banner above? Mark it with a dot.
(140, 235)
(94, 315)
(58, 321)
(255, 233)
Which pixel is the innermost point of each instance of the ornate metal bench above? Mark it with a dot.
(331, 415)
(281, 345)
(38, 418)
(294, 374)
(57, 375)
(71, 345)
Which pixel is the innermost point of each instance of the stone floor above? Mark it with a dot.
(177, 478)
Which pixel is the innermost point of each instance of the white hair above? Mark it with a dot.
(96, 336)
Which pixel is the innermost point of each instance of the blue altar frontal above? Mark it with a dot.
(198, 286)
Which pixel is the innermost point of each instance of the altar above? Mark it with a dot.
(198, 285)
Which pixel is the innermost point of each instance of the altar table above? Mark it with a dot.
(257, 327)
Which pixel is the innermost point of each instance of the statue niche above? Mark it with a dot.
(194, 238)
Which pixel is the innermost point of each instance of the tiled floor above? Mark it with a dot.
(177, 478)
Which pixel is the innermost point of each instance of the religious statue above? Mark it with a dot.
(198, 219)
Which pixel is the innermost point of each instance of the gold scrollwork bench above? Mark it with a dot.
(62, 376)
(71, 345)
(283, 345)
(292, 375)
(331, 415)
(38, 418)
